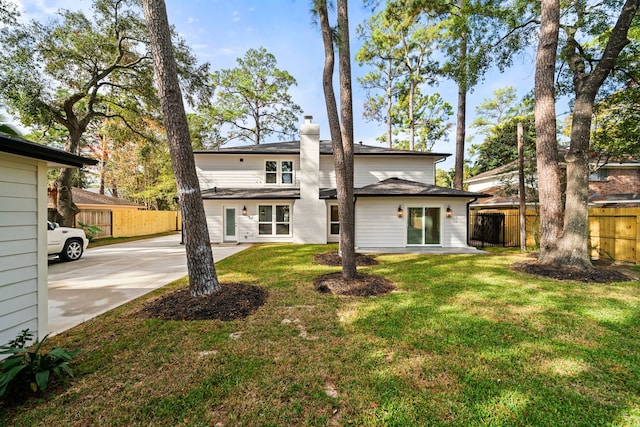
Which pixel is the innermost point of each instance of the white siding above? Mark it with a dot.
(19, 233)
(227, 171)
(371, 169)
(247, 226)
(378, 226)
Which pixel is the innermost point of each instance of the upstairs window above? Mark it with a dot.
(287, 172)
(278, 172)
(271, 168)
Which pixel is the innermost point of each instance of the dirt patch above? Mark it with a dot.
(232, 301)
(596, 275)
(363, 285)
(333, 259)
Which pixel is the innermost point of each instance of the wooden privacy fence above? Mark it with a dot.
(140, 223)
(129, 222)
(614, 233)
(99, 217)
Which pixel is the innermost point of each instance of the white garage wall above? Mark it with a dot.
(19, 231)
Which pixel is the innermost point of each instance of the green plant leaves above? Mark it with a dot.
(26, 369)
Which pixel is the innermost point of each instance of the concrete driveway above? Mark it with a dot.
(109, 276)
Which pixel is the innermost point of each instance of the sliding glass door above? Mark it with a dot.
(423, 226)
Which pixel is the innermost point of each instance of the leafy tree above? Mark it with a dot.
(252, 101)
(8, 12)
(497, 119)
(471, 35)
(400, 52)
(340, 126)
(202, 273)
(616, 126)
(73, 71)
(493, 111)
(135, 168)
(427, 121)
(588, 64)
(379, 50)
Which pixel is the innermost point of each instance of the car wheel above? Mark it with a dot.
(72, 250)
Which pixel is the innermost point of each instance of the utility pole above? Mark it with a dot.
(521, 189)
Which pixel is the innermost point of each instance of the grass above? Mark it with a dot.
(465, 341)
(104, 241)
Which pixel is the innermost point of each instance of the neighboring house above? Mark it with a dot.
(23, 232)
(615, 184)
(95, 209)
(286, 192)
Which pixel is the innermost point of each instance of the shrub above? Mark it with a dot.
(90, 230)
(26, 370)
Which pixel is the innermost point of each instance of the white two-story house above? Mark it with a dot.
(286, 192)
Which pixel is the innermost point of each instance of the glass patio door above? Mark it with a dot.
(423, 226)
(230, 225)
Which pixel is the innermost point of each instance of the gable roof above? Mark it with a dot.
(85, 197)
(54, 157)
(393, 187)
(293, 147)
(631, 160)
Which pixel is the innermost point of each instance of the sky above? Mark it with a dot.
(220, 31)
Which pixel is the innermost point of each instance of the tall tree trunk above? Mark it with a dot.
(66, 210)
(346, 201)
(390, 107)
(202, 273)
(546, 144)
(573, 246)
(412, 120)
(461, 121)
(344, 184)
(460, 136)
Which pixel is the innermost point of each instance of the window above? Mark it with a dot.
(334, 220)
(277, 216)
(599, 175)
(278, 172)
(271, 170)
(287, 172)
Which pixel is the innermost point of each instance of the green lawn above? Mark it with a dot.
(465, 341)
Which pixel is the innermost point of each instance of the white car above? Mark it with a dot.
(67, 243)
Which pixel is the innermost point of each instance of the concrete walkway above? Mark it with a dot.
(109, 276)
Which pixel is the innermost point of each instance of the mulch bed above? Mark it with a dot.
(595, 275)
(363, 285)
(232, 301)
(333, 259)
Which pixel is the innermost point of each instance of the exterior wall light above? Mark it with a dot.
(244, 211)
(400, 211)
(449, 212)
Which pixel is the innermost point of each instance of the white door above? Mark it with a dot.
(230, 225)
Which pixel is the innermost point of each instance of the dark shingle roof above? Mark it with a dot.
(85, 197)
(293, 147)
(251, 193)
(402, 187)
(54, 157)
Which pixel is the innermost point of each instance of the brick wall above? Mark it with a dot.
(620, 181)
